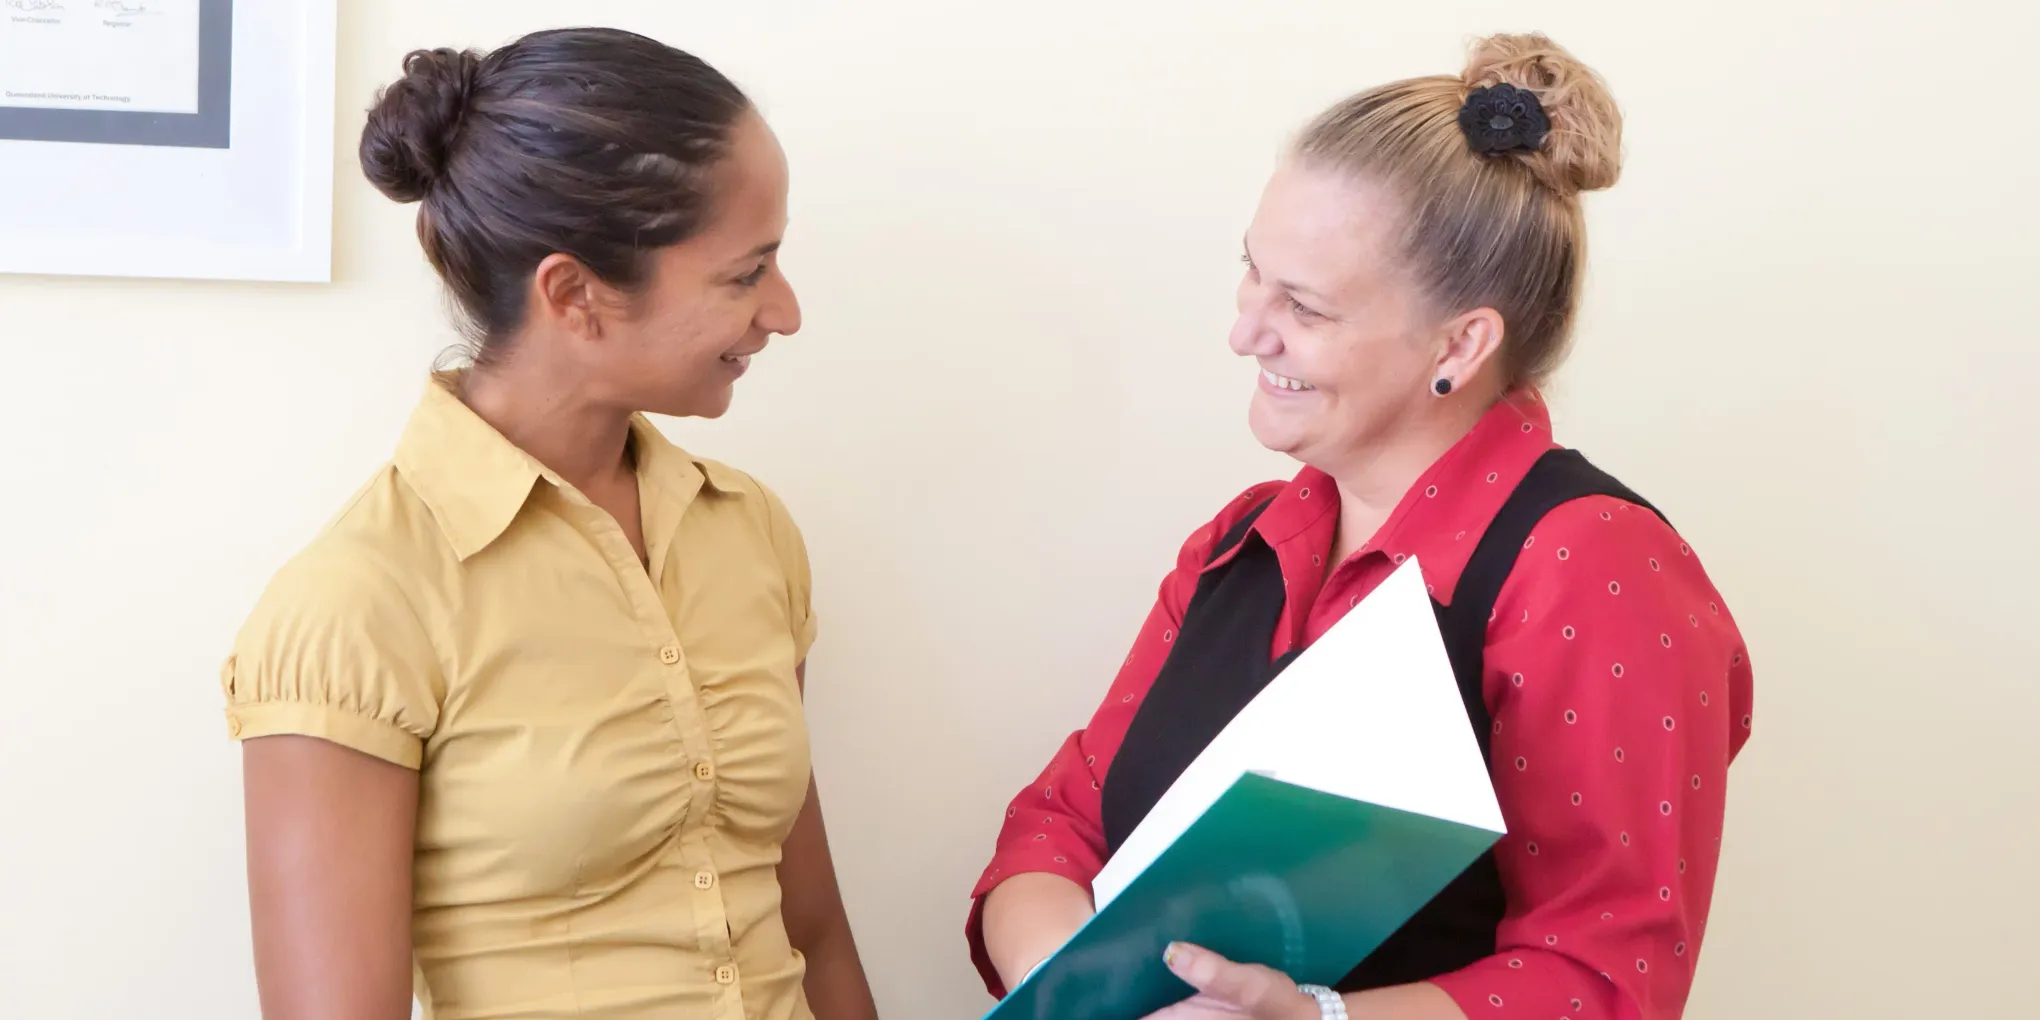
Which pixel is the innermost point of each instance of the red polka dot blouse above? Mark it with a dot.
(1619, 688)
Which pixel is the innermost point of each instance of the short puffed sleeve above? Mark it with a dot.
(335, 650)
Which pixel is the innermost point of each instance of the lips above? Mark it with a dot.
(740, 360)
(1283, 382)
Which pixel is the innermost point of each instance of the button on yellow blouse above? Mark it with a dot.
(609, 756)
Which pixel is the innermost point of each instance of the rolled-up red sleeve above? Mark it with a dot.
(1054, 824)
(1620, 690)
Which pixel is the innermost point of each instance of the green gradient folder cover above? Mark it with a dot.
(1338, 802)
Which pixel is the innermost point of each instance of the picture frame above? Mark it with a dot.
(184, 139)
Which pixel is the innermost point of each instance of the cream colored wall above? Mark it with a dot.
(1014, 227)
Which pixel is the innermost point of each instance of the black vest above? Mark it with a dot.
(1219, 661)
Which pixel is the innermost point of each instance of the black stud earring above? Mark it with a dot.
(1442, 387)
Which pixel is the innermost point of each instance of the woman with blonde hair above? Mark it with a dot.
(1412, 275)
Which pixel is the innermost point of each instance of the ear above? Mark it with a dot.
(1471, 340)
(568, 296)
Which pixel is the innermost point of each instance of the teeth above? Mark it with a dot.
(1284, 382)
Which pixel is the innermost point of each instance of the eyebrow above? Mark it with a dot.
(1285, 284)
(761, 251)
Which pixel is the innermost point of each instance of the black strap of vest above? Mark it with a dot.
(1559, 477)
(1458, 926)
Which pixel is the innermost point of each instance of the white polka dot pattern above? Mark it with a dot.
(1628, 718)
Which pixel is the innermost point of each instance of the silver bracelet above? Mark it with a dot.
(1330, 1004)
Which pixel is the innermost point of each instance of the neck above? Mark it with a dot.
(584, 442)
(1373, 481)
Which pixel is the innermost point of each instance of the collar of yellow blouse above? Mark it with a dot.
(476, 482)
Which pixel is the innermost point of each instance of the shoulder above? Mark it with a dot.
(1580, 539)
(732, 494)
(1604, 526)
(770, 535)
(1613, 562)
(385, 521)
(363, 571)
(1197, 549)
(1598, 542)
(725, 478)
(779, 538)
(1609, 613)
(334, 646)
(349, 578)
(758, 502)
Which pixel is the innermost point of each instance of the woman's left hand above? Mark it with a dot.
(1235, 990)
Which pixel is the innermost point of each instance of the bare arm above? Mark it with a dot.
(329, 879)
(1403, 1002)
(816, 922)
(1028, 917)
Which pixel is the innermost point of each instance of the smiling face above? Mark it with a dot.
(1347, 346)
(679, 344)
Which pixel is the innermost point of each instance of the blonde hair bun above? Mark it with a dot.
(1583, 149)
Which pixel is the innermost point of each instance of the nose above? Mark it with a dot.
(779, 312)
(1253, 333)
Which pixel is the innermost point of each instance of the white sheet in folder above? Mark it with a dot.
(1370, 711)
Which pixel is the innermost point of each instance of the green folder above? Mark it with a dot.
(1338, 803)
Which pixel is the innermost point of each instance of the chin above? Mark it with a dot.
(685, 404)
(708, 410)
(1278, 436)
(1283, 444)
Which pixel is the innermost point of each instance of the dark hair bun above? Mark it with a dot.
(593, 143)
(411, 129)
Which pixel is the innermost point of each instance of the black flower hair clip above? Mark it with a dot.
(1503, 118)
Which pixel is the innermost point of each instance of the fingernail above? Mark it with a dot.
(1173, 953)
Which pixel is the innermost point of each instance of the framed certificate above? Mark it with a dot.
(167, 138)
(123, 72)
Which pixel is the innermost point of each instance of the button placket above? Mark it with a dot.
(693, 851)
(690, 727)
(711, 914)
(655, 623)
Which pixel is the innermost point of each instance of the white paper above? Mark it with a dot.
(1371, 711)
(138, 56)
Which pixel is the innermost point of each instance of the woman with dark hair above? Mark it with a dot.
(522, 727)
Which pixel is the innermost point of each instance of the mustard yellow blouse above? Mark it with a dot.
(609, 757)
